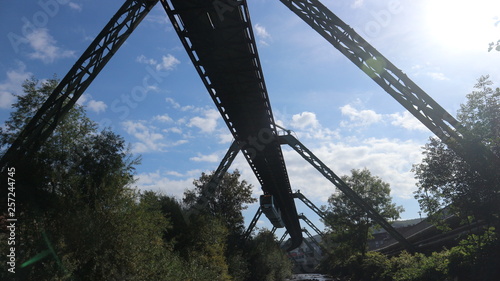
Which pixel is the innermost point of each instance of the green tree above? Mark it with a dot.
(446, 180)
(349, 224)
(201, 242)
(494, 46)
(79, 217)
(226, 201)
(267, 260)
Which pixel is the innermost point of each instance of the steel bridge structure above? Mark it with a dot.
(220, 42)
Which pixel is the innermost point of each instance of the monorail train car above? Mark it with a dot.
(272, 212)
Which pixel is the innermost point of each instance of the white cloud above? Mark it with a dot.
(429, 70)
(437, 76)
(357, 4)
(143, 59)
(173, 103)
(160, 19)
(96, 106)
(83, 99)
(176, 130)
(225, 138)
(75, 6)
(309, 127)
(206, 124)
(407, 121)
(359, 118)
(176, 105)
(262, 34)
(13, 85)
(390, 159)
(305, 120)
(160, 182)
(167, 63)
(149, 140)
(212, 158)
(163, 118)
(44, 46)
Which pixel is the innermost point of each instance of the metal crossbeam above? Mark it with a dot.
(223, 167)
(398, 85)
(304, 218)
(76, 81)
(210, 187)
(222, 47)
(311, 238)
(310, 204)
(283, 237)
(340, 184)
(253, 223)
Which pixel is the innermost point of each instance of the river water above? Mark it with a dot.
(311, 277)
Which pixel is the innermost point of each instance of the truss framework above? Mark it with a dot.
(398, 85)
(342, 186)
(253, 223)
(210, 187)
(327, 24)
(76, 81)
(224, 53)
(310, 224)
(310, 204)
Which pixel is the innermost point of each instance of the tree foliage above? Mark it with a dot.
(80, 217)
(445, 179)
(494, 46)
(349, 224)
(267, 260)
(226, 201)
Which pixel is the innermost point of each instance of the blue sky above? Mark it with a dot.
(151, 94)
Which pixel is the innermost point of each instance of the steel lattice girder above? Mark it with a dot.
(304, 218)
(252, 224)
(209, 189)
(310, 204)
(311, 238)
(223, 50)
(76, 81)
(340, 184)
(398, 85)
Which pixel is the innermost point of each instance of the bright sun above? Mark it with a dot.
(463, 25)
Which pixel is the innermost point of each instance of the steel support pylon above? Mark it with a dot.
(210, 187)
(310, 204)
(340, 184)
(76, 81)
(398, 85)
(311, 225)
(253, 223)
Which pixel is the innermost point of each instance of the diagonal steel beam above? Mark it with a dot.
(209, 189)
(310, 204)
(399, 86)
(253, 223)
(311, 225)
(340, 184)
(76, 81)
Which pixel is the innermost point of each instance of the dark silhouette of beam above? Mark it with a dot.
(76, 81)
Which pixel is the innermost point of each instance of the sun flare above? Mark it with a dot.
(463, 25)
